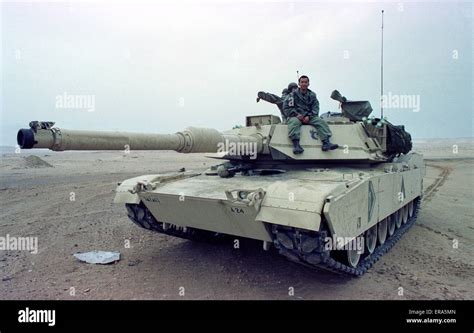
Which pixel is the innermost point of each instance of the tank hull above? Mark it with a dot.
(342, 203)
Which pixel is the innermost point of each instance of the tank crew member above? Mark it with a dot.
(278, 101)
(302, 107)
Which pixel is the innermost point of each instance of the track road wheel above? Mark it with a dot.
(411, 209)
(398, 218)
(404, 211)
(371, 239)
(382, 228)
(392, 225)
(353, 253)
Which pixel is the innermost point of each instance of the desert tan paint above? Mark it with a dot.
(298, 199)
(301, 198)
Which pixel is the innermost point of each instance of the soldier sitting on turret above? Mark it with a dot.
(278, 101)
(302, 107)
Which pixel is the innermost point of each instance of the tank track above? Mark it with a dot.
(301, 246)
(141, 216)
(307, 247)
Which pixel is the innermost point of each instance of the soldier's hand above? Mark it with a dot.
(300, 117)
(306, 120)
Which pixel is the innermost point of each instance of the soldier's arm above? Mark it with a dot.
(280, 107)
(268, 97)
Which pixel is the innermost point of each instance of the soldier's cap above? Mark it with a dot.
(285, 91)
(292, 85)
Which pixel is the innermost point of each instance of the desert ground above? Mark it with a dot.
(434, 260)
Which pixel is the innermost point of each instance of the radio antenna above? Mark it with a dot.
(381, 75)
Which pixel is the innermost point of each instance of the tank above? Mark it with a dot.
(339, 210)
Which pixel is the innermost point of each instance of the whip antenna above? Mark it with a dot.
(381, 75)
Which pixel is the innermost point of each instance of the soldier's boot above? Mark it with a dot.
(297, 149)
(327, 145)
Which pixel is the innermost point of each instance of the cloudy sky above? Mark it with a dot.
(163, 67)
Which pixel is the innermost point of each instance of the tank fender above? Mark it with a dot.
(127, 191)
(296, 203)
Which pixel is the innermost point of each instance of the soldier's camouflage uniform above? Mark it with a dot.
(307, 104)
(274, 99)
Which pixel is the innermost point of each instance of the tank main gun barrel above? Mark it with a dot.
(191, 140)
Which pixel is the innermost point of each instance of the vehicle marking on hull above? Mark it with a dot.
(237, 210)
(152, 199)
(371, 200)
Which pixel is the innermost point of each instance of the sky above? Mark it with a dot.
(161, 67)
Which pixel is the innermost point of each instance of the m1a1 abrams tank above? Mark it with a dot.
(339, 210)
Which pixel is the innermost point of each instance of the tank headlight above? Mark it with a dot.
(243, 195)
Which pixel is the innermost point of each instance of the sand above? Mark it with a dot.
(36, 202)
